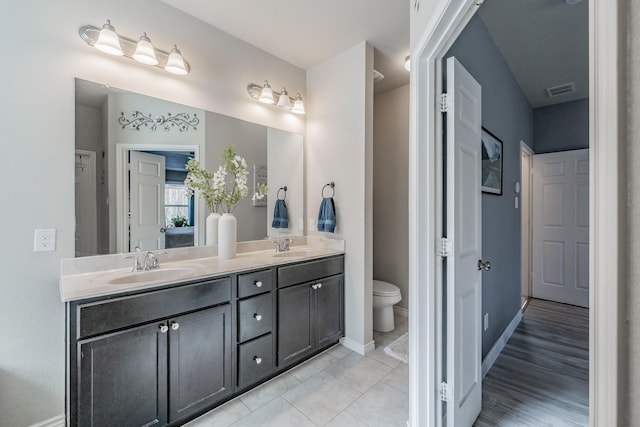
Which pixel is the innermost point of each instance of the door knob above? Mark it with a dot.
(484, 265)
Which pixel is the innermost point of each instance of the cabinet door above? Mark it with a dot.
(199, 360)
(329, 308)
(294, 323)
(122, 378)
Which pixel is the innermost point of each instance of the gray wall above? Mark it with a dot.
(632, 298)
(561, 127)
(391, 189)
(508, 115)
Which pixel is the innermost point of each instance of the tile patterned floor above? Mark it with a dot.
(337, 388)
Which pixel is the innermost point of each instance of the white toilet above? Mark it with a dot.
(385, 295)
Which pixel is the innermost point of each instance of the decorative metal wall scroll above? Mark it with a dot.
(183, 121)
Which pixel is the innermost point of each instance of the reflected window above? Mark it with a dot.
(176, 205)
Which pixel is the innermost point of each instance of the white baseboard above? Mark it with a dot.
(401, 311)
(357, 347)
(495, 351)
(59, 421)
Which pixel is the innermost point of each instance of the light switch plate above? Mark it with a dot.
(44, 240)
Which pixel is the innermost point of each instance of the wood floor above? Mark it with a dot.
(541, 378)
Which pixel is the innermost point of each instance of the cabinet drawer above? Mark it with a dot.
(309, 271)
(255, 360)
(104, 316)
(255, 316)
(254, 283)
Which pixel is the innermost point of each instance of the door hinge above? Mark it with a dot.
(444, 103)
(445, 392)
(445, 247)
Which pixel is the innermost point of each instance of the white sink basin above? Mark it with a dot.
(292, 254)
(152, 276)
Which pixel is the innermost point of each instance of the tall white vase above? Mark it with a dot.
(227, 236)
(211, 228)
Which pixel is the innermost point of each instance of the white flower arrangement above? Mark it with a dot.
(223, 189)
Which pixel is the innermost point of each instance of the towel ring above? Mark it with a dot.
(285, 192)
(331, 185)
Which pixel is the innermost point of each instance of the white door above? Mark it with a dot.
(464, 228)
(526, 172)
(86, 204)
(561, 227)
(146, 201)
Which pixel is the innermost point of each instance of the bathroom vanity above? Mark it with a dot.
(164, 351)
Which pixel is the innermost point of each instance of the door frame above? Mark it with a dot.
(122, 188)
(607, 206)
(93, 200)
(526, 244)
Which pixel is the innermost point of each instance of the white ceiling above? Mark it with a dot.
(306, 33)
(545, 42)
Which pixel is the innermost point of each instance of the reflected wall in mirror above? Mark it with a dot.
(129, 185)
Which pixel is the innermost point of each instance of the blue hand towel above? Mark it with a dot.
(327, 215)
(280, 215)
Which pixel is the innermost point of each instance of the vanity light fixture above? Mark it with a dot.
(145, 53)
(267, 95)
(407, 63)
(108, 41)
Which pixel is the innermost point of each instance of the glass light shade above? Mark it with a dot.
(266, 95)
(145, 53)
(298, 105)
(108, 41)
(175, 63)
(407, 63)
(284, 99)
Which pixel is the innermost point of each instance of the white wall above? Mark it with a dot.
(37, 132)
(340, 149)
(391, 189)
(285, 152)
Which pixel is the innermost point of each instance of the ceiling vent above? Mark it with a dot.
(561, 89)
(377, 76)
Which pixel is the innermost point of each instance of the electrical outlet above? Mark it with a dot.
(44, 240)
(486, 321)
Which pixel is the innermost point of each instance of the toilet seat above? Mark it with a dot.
(385, 289)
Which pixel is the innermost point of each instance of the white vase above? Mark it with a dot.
(211, 229)
(227, 236)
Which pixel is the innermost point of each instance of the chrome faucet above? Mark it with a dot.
(150, 260)
(283, 245)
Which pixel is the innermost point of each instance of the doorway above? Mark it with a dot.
(606, 203)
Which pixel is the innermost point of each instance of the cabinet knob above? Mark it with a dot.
(258, 317)
(164, 329)
(257, 359)
(258, 283)
(319, 285)
(175, 325)
(314, 286)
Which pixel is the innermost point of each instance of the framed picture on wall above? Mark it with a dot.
(491, 163)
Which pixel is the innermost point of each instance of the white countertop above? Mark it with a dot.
(77, 283)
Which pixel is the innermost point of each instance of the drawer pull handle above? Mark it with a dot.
(257, 359)
(258, 283)
(175, 325)
(164, 329)
(258, 317)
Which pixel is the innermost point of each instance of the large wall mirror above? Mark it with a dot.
(131, 152)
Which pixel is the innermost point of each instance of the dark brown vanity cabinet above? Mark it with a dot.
(139, 360)
(255, 327)
(311, 313)
(164, 356)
